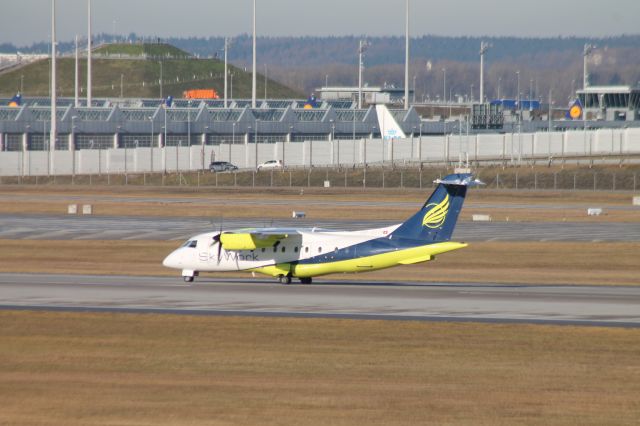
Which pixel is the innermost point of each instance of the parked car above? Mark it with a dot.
(271, 164)
(222, 166)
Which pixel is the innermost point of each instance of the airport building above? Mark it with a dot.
(133, 123)
(611, 103)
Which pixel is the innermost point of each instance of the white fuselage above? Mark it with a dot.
(203, 252)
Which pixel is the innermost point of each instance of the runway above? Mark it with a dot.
(529, 304)
(59, 227)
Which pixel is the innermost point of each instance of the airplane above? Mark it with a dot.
(305, 253)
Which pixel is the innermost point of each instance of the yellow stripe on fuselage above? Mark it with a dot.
(365, 264)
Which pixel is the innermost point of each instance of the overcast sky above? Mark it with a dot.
(26, 21)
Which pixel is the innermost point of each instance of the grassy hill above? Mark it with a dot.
(139, 76)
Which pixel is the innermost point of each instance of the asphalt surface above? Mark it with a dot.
(56, 227)
(560, 305)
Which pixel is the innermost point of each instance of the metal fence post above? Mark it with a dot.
(594, 181)
(383, 178)
(535, 181)
(574, 181)
(555, 181)
(516, 180)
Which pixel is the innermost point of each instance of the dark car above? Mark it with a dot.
(222, 166)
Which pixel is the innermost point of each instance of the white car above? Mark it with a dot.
(271, 164)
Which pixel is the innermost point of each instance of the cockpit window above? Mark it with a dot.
(191, 244)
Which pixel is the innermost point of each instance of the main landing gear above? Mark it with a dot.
(286, 280)
(188, 279)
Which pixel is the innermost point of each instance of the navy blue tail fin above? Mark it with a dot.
(437, 219)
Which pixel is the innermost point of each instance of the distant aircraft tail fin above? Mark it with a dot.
(436, 220)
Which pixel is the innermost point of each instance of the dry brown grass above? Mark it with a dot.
(90, 369)
(190, 203)
(494, 262)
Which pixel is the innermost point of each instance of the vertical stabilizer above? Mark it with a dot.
(389, 127)
(436, 220)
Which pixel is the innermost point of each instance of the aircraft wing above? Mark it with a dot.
(254, 239)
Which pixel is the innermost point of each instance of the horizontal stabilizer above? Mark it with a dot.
(462, 180)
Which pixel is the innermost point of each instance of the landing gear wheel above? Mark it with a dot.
(188, 279)
(308, 280)
(284, 279)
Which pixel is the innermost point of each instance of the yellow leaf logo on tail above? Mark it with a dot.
(437, 214)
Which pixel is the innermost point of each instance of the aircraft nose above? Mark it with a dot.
(173, 260)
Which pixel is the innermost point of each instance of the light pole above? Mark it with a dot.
(178, 146)
(420, 144)
(226, 72)
(255, 141)
(89, 36)
(363, 47)
(73, 146)
(254, 81)
(530, 95)
(484, 47)
(54, 99)
(444, 84)
(164, 142)
(189, 125)
(126, 174)
(588, 50)
(233, 138)
(499, 86)
(76, 82)
(135, 158)
(333, 139)
(265, 82)
(406, 61)
(518, 97)
(151, 147)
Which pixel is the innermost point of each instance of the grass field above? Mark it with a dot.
(316, 202)
(177, 75)
(90, 369)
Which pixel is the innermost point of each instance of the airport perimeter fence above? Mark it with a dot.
(603, 179)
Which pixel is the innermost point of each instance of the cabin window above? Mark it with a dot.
(295, 249)
(284, 249)
(306, 249)
(263, 249)
(275, 249)
(319, 249)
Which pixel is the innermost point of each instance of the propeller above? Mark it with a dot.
(217, 240)
(220, 241)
